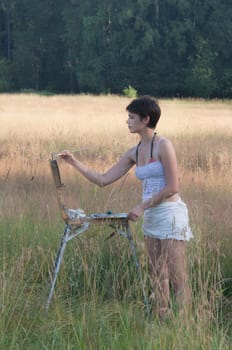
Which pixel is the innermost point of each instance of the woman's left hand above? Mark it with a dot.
(136, 212)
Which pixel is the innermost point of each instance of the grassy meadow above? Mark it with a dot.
(98, 300)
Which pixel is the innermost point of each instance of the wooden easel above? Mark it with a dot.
(76, 223)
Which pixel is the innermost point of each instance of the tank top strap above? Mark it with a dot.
(152, 144)
(151, 151)
(137, 152)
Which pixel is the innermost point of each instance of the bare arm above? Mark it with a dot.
(110, 176)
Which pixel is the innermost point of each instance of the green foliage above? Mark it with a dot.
(202, 78)
(130, 92)
(4, 76)
(166, 48)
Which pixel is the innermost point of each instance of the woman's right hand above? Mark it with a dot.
(67, 156)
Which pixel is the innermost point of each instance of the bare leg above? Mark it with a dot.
(158, 270)
(176, 261)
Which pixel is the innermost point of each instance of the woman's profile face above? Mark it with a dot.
(135, 123)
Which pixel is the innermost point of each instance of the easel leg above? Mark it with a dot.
(58, 262)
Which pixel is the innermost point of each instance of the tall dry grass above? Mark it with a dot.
(98, 298)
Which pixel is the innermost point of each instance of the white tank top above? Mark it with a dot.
(152, 176)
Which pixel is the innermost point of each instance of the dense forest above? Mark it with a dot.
(162, 47)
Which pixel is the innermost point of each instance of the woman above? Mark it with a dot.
(165, 226)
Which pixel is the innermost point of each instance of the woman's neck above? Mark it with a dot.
(146, 135)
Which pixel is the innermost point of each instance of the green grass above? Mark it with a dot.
(98, 301)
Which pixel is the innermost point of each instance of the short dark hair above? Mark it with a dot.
(146, 106)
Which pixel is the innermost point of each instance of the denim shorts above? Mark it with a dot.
(168, 220)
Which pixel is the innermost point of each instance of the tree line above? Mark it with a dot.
(165, 48)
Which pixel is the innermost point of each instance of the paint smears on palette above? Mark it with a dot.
(78, 214)
(109, 215)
